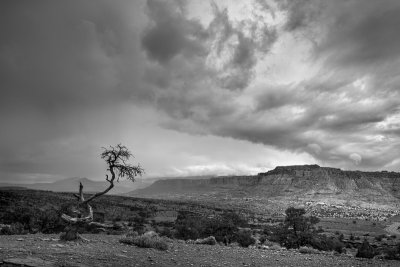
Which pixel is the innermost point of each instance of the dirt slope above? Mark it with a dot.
(105, 250)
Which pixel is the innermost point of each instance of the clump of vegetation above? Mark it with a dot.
(147, 240)
(224, 227)
(297, 231)
(13, 229)
(206, 241)
(244, 238)
(380, 237)
(365, 250)
(28, 219)
(391, 253)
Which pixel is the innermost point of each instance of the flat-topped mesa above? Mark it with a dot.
(302, 180)
(292, 169)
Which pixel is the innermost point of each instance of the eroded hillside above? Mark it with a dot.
(308, 185)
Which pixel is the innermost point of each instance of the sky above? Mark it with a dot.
(192, 87)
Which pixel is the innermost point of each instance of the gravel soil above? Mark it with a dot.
(105, 250)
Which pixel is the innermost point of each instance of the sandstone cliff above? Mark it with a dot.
(299, 180)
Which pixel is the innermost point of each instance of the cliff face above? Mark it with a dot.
(285, 180)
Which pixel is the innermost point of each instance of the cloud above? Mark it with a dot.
(61, 65)
(310, 80)
(230, 50)
(356, 158)
(170, 33)
(331, 107)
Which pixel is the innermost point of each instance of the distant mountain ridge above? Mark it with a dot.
(304, 181)
(72, 185)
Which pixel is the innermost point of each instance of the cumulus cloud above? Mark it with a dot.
(356, 158)
(332, 106)
(230, 50)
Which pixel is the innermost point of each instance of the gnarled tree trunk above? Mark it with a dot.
(115, 158)
(74, 224)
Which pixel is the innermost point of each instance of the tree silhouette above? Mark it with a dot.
(117, 158)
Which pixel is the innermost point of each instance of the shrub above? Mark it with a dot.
(17, 228)
(262, 239)
(365, 250)
(223, 227)
(132, 234)
(308, 250)
(391, 254)
(322, 242)
(380, 237)
(13, 229)
(146, 241)
(276, 247)
(206, 241)
(165, 231)
(351, 237)
(341, 237)
(5, 230)
(244, 238)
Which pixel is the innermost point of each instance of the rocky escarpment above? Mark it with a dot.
(287, 180)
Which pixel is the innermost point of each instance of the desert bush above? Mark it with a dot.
(308, 250)
(365, 250)
(244, 238)
(166, 231)
(299, 231)
(223, 227)
(206, 241)
(322, 242)
(341, 237)
(351, 237)
(132, 233)
(13, 229)
(262, 239)
(146, 241)
(275, 247)
(5, 230)
(296, 230)
(380, 237)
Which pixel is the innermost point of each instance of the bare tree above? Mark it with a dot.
(118, 167)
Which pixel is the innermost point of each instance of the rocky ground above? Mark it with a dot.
(105, 250)
(393, 228)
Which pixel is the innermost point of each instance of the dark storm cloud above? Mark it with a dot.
(228, 51)
(340, 115)
(60, 61)
(56, 55)
(68, 67)
(354, 40)
(171, 33)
